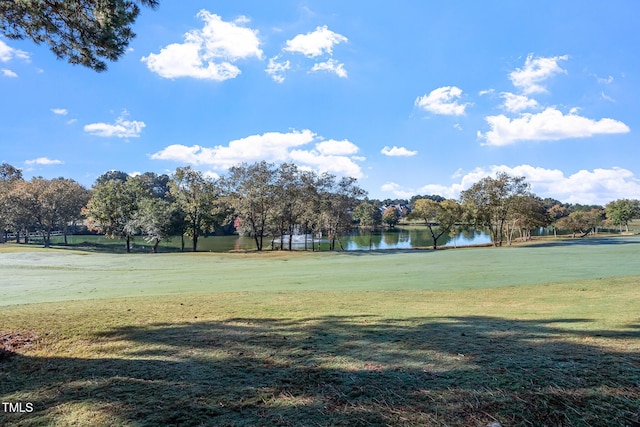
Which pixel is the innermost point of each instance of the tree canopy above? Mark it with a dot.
(620, 212)
(85, 32)
(490, 201)
(440, 217)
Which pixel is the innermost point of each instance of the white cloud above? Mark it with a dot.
(9, 73)
(606, 97)
(122, 128)
(550, 124)
(331, 155)
(277, 69)
(333, 147)
(398, 151)
(315, 43)
(330, 66)
(7, 53)
(60, 111)
(134, 174)
(598, 186)
(340, 165)
(71, 121)
(606, 81)
(270, 146)
(515, 103)
(208, 53)
(43, 161)
(535, 71)
(442, 101)
(397, 190)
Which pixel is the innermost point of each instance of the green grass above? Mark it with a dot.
(59, 275)
(526, 336)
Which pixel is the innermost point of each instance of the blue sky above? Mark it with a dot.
(411, 97)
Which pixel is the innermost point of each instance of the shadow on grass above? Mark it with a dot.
(341, 370)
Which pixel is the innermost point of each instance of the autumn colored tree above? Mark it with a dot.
(390, 216)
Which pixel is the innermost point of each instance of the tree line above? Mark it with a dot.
(272, 203)
(505, 206)
(261, 200)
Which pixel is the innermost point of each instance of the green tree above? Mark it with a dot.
(528, 213)
(288, 202)
(311, 204)
(8, 176)
(155, 219)
(390, 216)
(368, 216)
(556, 212)
(620, 212)
(21, 204)
(251, 190)
(440, 217)
(338, 199)
(55, 203)
(112, 208)
(583, 222)
(489, 202)
(196, 198)
(85, 32)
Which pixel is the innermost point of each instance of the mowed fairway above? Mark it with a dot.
(540, 335)
(59, 275)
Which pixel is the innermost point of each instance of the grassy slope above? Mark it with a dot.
(455, 346)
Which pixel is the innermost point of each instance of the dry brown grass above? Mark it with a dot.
(529, 356)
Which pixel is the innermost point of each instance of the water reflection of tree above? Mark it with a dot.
(391, 237)
(365, 239)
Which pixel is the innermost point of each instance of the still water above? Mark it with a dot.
(358, 240)
(400, 238)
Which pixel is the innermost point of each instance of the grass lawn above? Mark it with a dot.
(526, 336)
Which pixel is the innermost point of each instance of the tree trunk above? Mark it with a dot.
(195, 241)
(128, 244)
(182, 242)
(46, 236)
(433, 236)
(155, 246)
(291, 238)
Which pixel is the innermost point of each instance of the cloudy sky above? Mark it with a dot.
(410, 96)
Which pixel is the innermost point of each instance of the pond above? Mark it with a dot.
(358, 240)
(398, 238)
(409, 238)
